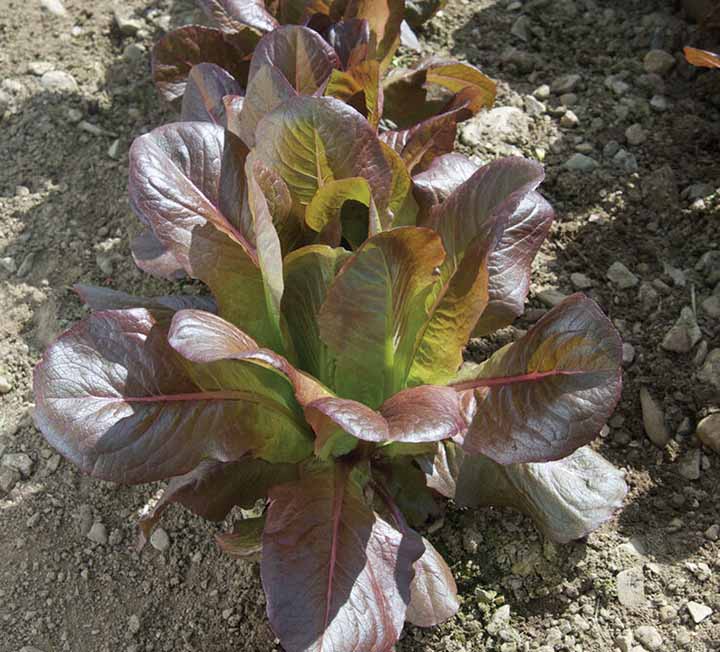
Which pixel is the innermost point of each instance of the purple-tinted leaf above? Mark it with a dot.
(311, 141)
(550, 392)
(421, 144)
(177, 52)
(116, 400)
(350, 39)
(375, 309)
(353, 569)
(567, 499)
(435, 184)
(153, 258)
(162, 308)
(405, 482)
(526, 228)
(233, 184)
(433, 592)
(174, 187)
(267, 90)
(300, 54)
(207, 85)
(235, 15)
(245, 541)
(213, 488)
(384, 18)
(434, 87)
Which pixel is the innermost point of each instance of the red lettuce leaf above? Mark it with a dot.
(207, 85)
(236, 15)
(433, 592)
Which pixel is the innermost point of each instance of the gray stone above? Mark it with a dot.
(698, 191)
(54, 7)
(648, 637)
(521, 28)
(5, 384)
(689, 465)
(625, 161)
(653, 419)
(635, 134)
(581, 163)
(611, 148)
(708, 431)
(684, 334)
(713, 532)
(581, 281)
(114, 149)
(126, 24)
(499, 122)
(568, 99)
(59, 81)
(26, 265)
(625, 641)
(622, 276)
(8, 479)
(39, 68)
(569, 120)
(565, 84)
(134, 624)
(500, 620)
(30, 648)
(551, 297)
(698, 611)
(658, 62)
(659, 103)
(97, 533)
(628, 353)
(159, 539)
(533, 106)
(21, 462)
(630, 586)
(542, 92)
(8, 264)
(711, 306)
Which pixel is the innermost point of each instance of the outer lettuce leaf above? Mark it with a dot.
(353, 568)
(116, 400)
(567, 499)
(350, 39)
(384, 18)
(174, 188)
(245, 541)
(433, 592)
(375, 309)
(153, 258)
(409, 102)
(550, 392)
(312, 141)
(177, 52)
(213, 488)
(207, 85)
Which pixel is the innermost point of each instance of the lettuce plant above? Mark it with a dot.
(325, 376)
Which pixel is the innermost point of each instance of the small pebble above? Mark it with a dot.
(684, 334)
(5, 385)
(658, 62)
(708, 431)
(653, 419)
(635, 134)
(648, 637)
(698, 611)
(581, 281)
(159, 539)
(97, 533)
(622, 276)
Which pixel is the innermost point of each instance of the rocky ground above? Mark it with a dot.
(629, 133)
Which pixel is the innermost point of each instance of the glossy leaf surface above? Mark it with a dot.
(207, 85)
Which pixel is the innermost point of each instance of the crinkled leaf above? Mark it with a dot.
(312, 141)
(433, 592)
(245, 541)
(550, 392)
(353, 569)
(114, 398)
(374, 311)
(302, 56)
(235, 15)
(526, 227)
(177, 52)
(213, 488)
(207, 85)
(567, 499)
(359, 86)
(173, 184)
